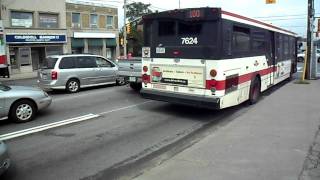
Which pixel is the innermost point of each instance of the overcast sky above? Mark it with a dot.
(288, 14)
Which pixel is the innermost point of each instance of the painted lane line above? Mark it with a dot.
(49, 125)
(299, 68)
(46, 127)
(127, 107)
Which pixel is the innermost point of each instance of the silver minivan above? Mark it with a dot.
(75, 71)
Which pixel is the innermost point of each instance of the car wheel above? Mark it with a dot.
(255, 90)
(136, 86)
(23, 111)
(319, 60)
(120, 82)
(73, 86)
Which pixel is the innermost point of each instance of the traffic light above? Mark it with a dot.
(319, 25)
(121, 41)
(270, 1)
(128, 27)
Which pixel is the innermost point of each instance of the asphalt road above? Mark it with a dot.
(127, 127)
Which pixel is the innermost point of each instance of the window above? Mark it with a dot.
(93, 20)
(286, 47)
(258, 41)
(49, 63)
(109, 20)
(21, 19)
(241, 39)
(167, 28)
(189, 28)
(48, 20)
(76, 20)
(103, 63)
(67, 63)
(85, 62)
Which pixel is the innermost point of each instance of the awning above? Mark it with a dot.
(77, 43)
(95, 42)
(111, 42)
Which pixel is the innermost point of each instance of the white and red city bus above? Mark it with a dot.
(211, 58)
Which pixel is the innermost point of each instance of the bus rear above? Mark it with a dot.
(179, 58)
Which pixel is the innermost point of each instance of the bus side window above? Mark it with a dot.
(240, 40)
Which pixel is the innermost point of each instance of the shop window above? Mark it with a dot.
(109, 22)
(48, 20)
(76, 20)
(21, 19)
(93, 21)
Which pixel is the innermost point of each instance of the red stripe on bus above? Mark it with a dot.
(221, 85)
(255, 21)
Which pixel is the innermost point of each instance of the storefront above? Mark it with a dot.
(27, 51)
(103, 44)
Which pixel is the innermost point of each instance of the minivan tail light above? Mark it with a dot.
(54, 75)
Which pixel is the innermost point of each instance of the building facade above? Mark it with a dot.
(92, 28)
(33, 30)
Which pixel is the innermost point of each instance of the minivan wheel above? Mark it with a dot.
(23, 111)
(73, 86)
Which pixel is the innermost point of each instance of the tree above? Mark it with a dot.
(134, 13)
(136, 10)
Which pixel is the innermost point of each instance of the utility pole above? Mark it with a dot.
(179, 4)
(124, 29)
(309, 38)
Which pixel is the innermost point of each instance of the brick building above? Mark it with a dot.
(92, 28)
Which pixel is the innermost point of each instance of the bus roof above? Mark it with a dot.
(215, 14)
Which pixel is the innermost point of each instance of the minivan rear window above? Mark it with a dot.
(49, 63)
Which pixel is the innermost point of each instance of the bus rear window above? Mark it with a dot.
(189, 29)
(167, 28)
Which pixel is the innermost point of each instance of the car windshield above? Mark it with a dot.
(49, 63)
(4, 87)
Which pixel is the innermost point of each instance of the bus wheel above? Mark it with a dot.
(255, 90)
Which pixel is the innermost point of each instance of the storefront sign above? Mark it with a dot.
(26, 38)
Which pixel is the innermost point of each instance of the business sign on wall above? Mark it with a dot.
(26, 38)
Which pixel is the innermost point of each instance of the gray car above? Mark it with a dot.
(4, 158)
(75, 71)
(20, 103)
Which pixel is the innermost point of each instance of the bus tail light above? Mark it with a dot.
(145, 69)
(210, 84)
(213, 73)
(145, 78)
(54, 75)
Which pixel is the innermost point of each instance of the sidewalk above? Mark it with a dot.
(25, 75)
(270, 142)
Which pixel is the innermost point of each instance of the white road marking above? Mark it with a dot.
(46, 127)
(127, 107)
(299, 68)
(61, 123)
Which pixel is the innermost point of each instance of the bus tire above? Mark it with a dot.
(255, 90)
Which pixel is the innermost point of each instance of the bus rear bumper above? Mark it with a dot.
(204, 102)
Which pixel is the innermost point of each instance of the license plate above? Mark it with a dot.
(159, 86)
(160, 50)
(44, 77)
(132, 79)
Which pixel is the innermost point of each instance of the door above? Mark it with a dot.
(271, 59)
(107, 72)
(3, 112)
(35, 59)
(87, 70)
